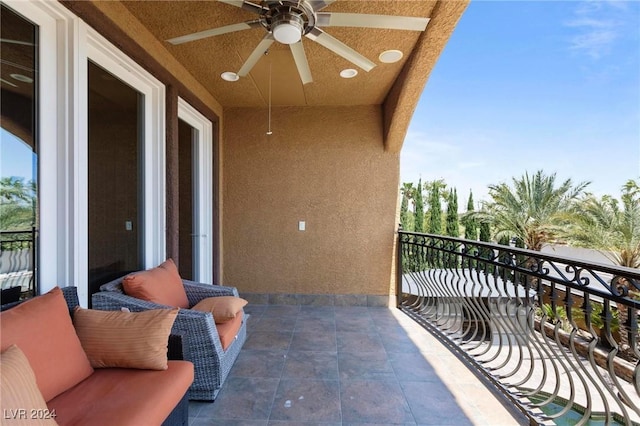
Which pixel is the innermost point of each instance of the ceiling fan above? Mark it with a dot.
(287, 21)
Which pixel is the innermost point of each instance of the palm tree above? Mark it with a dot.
(17, 204)
(532, 209)
(613, 229)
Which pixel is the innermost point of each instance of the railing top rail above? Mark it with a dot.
(601, 267)
(612, 282)
(30, 231)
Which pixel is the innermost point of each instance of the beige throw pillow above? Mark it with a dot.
(223, 308)
(22, 402)
(125, 339)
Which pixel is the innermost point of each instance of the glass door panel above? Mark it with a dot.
(115, 190)
(18, 156)
(188, 178)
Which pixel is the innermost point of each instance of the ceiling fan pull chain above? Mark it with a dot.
(269, 132)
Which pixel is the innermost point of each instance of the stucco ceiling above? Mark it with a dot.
(208, 58)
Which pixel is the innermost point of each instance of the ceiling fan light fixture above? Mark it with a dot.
(229, 76)
(390, 56)
(287, 28)
(348, 73)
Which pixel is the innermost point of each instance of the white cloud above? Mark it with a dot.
(597, 25)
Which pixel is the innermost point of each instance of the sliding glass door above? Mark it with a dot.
(18, 156)
(115, 163)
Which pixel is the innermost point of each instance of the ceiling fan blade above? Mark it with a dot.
(302, 64)
(332, 19)
(340, 48)
(246, 5)
(320, 4)
(255, 56)
(215, 31)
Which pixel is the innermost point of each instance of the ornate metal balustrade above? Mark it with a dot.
(18, 261)
(558, 337)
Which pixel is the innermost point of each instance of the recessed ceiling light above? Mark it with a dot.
(348, 73)
(390, 56)
(229, 76)
(22, 78)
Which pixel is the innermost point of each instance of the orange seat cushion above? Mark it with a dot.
(125, 339)
(41, 327)
(228, 331)
(119, 396)
(161, 285)
(22, 402)
(223, 308)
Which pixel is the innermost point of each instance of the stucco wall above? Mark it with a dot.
(326, 166)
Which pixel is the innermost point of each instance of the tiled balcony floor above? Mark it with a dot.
(318, 365)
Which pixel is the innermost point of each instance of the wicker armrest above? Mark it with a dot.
(198, 291)
(114, 301)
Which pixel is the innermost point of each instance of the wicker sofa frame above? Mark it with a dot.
(212, 364)
(176, 350)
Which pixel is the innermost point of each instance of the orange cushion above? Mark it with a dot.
(125, 339)
(229, 330)
(223, 308)
(124, 396)
(21, 403)
(42, 329)
(161, 285)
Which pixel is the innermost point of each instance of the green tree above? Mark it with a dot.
(17, 204)
(418, 208)
(435, 208)
(407, 190)
(532, 209)
(452, 224)
(470, 225)
(612, 228)
(485, 231)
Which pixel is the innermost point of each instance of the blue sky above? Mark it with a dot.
(523, 86)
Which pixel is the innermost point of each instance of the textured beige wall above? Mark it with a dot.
(326, 166)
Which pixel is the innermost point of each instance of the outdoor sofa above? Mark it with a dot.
(48, 374)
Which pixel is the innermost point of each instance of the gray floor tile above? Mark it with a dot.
(305, 341)
(282, 310)
(374, 401)
(278, 340)
(436, 407)
(259, 363)
(311, 365)
(337, 365)
(299, 423)
(365, 365)
(218, 422)
(360, 324)
(278, 323)
(412, 366)
(307, 400)
(359, 342)
(312, 325)
(397, 341)
(242, 398)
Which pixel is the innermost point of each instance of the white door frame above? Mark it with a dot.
(66, 43)
(105, 54)
(203, 193)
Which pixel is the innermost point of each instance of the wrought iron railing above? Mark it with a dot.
(558, 337)
(18, 261)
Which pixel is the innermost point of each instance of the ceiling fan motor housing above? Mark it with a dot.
(288, 21)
